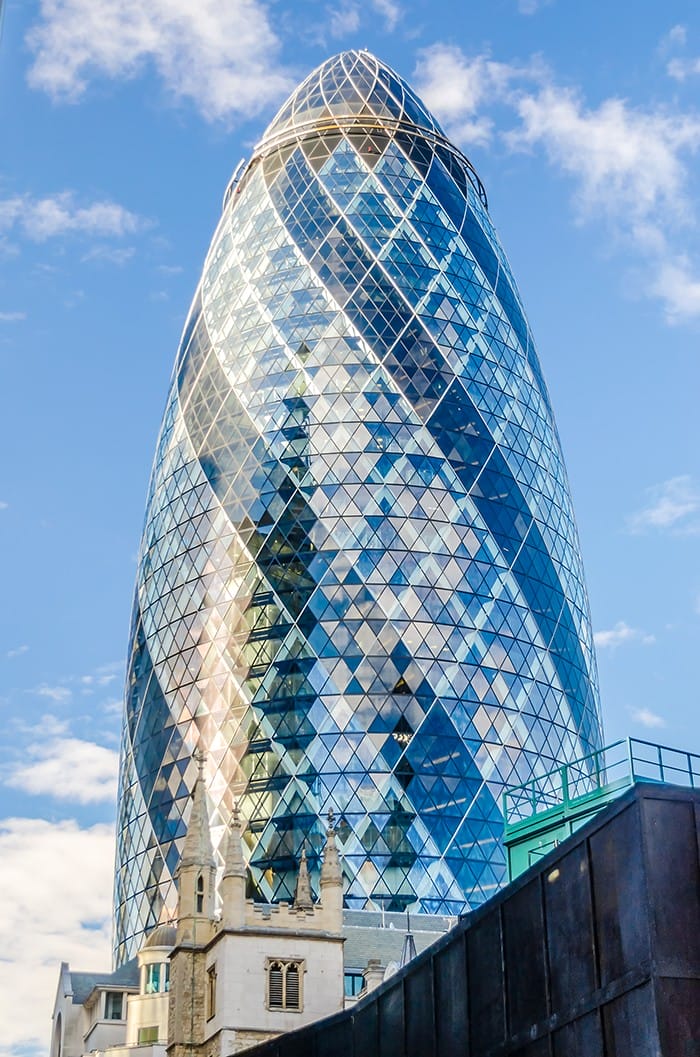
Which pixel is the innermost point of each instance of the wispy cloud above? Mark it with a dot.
(682, 68)
(621, 634)
(673, 505)
(531, 7)
(59, 694)
(676, 37)
(625, 159)
(458, 88)
(678, 66)
(390, 10)
(48, 726)
(628, 164)
(57, 913)
(3, 505)
(17, 651)
(12, 317)
(678, 287)
(647, 718)
(59, 215)
(343, 19)
(118, 255)
(223, 57)
(68, 769)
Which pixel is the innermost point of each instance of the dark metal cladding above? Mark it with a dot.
(499, 985)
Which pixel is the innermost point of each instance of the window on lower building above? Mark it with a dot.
(149, 1034)
(114, 1005)
(166, 976)
(354, 982)
(152, 979)
(284, 984)
(211, 991)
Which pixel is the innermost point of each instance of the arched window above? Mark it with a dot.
(284, 984)
(200, 894)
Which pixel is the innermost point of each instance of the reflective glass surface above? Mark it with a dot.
(359, 585)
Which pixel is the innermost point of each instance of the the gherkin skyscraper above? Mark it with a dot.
(359, 585)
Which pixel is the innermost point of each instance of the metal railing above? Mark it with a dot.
(612, 768)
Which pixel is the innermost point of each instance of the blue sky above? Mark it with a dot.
(121, 125)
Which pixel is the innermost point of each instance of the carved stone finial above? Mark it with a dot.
(234, 863)
(302, 897)
(331, 874)
(197, 848)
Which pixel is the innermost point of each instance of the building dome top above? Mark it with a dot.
(162, 936)
(351, 85)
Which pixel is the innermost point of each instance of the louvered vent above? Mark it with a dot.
(292, 987)
(275, 986)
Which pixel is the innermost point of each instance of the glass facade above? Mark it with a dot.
(359, 584)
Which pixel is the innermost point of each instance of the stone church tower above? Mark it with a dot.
(258, 970)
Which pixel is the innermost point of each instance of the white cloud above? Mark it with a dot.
(390, 11)
(12, 317)
(678, 288)
(676, 37)
(68, 769)
(59, 694)
(48, 726)
(629, 164)
(455, 86)
(60, 214)
(671, 505)
(221, 56)
(620, 634)
(3, 505)
(647, 718)
(680, 69)
(57, 880)
(110, 255)
(625, 160)
(17, 651)
(344, 19)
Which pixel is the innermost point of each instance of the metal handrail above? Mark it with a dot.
(606, 768)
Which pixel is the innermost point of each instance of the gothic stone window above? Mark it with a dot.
(284, 984)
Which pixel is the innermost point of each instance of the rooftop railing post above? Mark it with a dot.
(661, 762)
(630, 760)
(564, 785)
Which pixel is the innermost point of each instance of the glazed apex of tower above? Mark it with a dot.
(353, 84)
